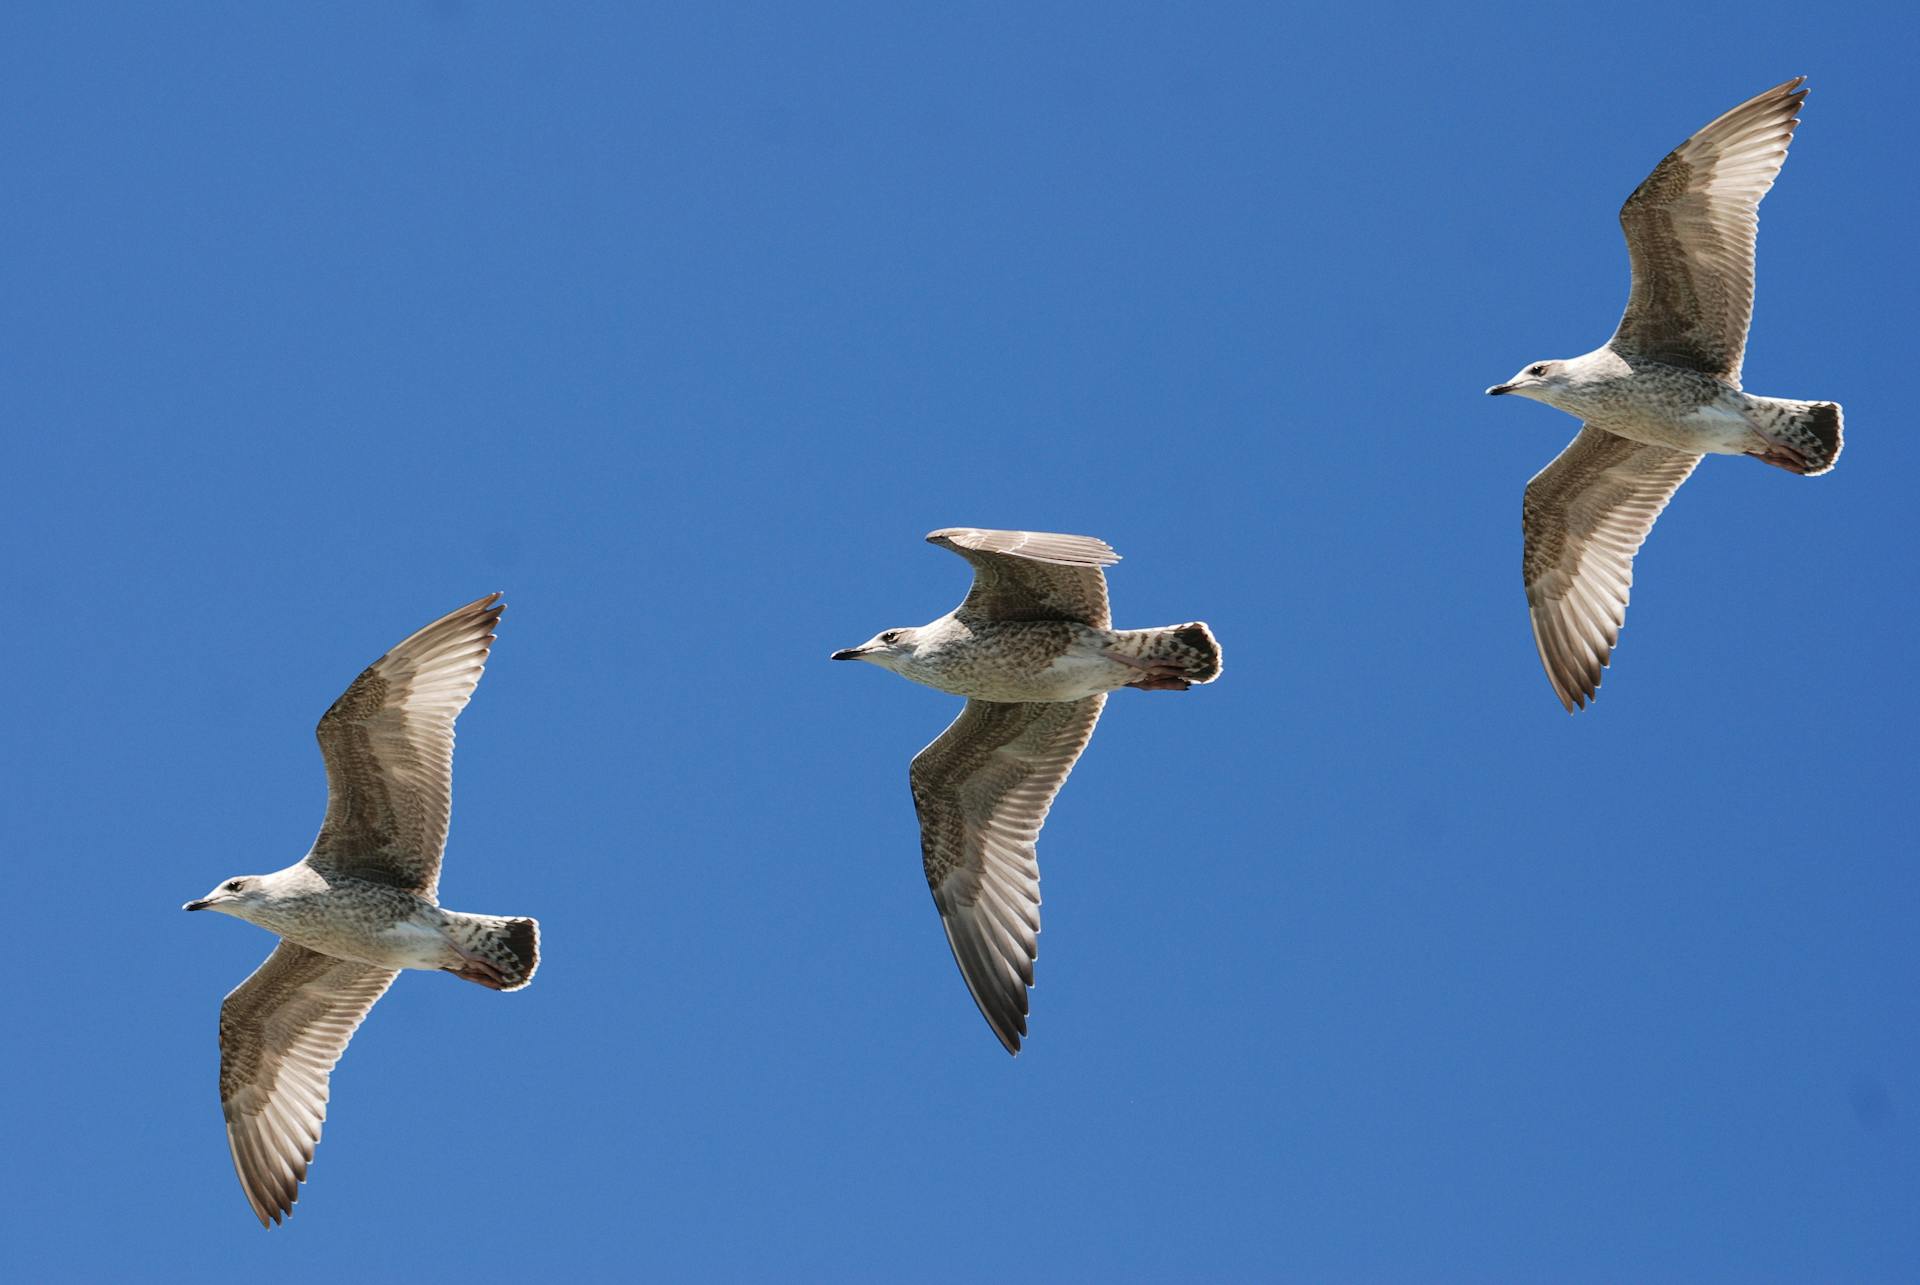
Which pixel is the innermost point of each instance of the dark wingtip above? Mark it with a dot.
(1010, 1028)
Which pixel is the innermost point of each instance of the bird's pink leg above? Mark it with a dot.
(479, 971)
(1156, 675)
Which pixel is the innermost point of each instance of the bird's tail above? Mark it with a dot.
(1801, 437)
(1195, 646)
(1173, 657)
(501, 954)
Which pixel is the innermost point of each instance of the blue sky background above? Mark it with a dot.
(681, 325)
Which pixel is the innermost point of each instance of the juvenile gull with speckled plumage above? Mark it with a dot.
(360, 906)
(1034, 651)
(1664, 391)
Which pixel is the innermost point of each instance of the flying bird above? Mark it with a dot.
(359, 907)
(1664, 391)
(1034, 651)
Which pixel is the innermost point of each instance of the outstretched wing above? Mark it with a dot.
(1032, 575)
(982, 791)
(1690, 232)
(1584, 516)
(388, 744)
(281, 1032)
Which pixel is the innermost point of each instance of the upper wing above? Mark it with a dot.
(1585, 516)
(1032, 575)
(281, 1031)
(1690, 228)
(982, 791)
(388, 743)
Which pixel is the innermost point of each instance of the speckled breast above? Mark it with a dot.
(371, 923)
(1047, 660)
(1682, 410)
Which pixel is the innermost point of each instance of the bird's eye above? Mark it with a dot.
(891, 636)
(1541, 369)
(233, 885)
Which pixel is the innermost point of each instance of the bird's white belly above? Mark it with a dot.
(411, 944)
(1718, 429)
(1078, 672)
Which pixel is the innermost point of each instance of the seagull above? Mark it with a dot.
(1034, 651)
(1664, 391)
(359, 907)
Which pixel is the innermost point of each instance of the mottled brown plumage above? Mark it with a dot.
(1032, 575)
(281, 1033)
(388, 746)
(982, 792)
(1690, 229)
(1584, 517)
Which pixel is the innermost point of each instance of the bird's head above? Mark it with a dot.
(1543, 381)
(886, 650)
(234, 897)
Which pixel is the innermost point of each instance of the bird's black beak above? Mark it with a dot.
(1497, 389)
(196, 905)
(849, 653)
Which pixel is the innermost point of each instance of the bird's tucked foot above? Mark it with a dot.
(1155, 675)
(1161, 683)
(1782, 456)
(479, 971)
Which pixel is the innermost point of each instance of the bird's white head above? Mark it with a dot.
(1544, 381)
(888, 650)
(236, 897)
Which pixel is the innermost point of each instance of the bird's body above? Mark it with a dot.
(1673, 407)
(368, 922)
(1663, 392)
(360, 907)
(1033, 650)
(1033, 660)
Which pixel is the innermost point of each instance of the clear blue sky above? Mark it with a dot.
(682, 326)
